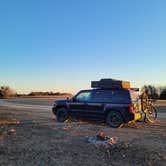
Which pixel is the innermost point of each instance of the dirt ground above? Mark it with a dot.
(33, 137)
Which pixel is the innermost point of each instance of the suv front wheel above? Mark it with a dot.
(114, 119)
(62, 114)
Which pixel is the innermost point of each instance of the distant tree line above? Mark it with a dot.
(48, 94)
(155, 92)
(7, 92)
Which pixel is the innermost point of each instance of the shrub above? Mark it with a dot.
(6, 92)
(163, 94)
(153, 91)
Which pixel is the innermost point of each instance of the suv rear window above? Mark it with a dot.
(97, 96)
(134, 95)
(117, 96)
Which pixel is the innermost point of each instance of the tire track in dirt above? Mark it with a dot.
(24, 106)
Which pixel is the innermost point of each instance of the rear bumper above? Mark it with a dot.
(137, 116)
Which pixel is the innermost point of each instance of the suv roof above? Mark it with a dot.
(96, 89)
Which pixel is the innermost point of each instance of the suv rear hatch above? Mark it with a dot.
(136, 104)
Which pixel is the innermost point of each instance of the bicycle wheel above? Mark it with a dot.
(151, 114)
(144, 102)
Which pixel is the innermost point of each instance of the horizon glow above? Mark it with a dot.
(61, 46)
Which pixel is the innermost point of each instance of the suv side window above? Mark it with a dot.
(108, 96)
(83, 96)
(97, 96)
(117, 96)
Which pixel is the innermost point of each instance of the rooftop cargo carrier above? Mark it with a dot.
(110, 84)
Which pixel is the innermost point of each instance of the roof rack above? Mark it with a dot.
(109, 83)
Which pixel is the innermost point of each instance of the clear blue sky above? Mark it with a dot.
(61, 45)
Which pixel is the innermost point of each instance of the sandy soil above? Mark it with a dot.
(36, 100)
(33, 137)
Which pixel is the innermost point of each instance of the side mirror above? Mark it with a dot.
(73, 99)
(70, 99)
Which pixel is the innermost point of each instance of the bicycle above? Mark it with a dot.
(148, 108)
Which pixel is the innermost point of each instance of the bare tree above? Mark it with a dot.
(163, 94)
(152, 91)
(6, 92)
(160, 89)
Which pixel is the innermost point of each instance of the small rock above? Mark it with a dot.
(11, 131)
(123, 155)
(113, 140)
(67, 128)
(125, 146)
(164, 157)
(102, 136)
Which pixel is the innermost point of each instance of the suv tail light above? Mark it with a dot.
(131, 108)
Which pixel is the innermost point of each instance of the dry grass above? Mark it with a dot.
(33, 137)
(161, 105)
(37, 100)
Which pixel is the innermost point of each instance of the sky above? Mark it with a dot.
(61, 45)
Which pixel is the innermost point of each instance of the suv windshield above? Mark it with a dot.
(83, 96)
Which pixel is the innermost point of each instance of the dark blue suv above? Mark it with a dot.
(113, 106)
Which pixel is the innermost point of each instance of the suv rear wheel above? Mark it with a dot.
(62, 114)
(114, 119)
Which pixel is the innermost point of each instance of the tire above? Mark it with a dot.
(62, 115)
(114, 119)
(151, 114)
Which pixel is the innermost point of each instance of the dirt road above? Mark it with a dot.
(30, 135)
(26, 104)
